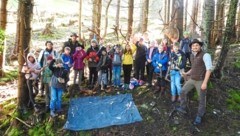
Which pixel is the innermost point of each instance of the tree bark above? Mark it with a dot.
(194, 16)
(80, 20)
(218, 24)
(117, 17)
(25, 12)
(106, 18)
(130, 18)
(227, 37)
(238, 25)
(96, 17)
(144, 20)
(207, 21)
(3, 15)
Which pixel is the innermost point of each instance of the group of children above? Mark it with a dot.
(104, 62)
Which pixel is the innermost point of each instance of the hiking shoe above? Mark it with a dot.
(181, 110)
(53, 114)
(198, 120)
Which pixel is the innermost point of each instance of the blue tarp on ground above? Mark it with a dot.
(98, 112)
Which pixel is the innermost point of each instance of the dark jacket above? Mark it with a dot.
(178, 60)
(140, 52)
(103, 67)
(160, 58)
(184, 45)
(57, 72)
(72, 46)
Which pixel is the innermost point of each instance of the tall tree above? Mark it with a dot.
(144, 20)
(3, 23)
(80, 20)
(96, 17)
(238, 25)
(219, 22)
(207, 20)
(25, 13)
(194, 16)
(227, 37)
(3, 15)
(106, 17)
(117, 18)
(130, 18)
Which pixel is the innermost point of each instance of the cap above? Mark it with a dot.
(74, 34)
(94, 41)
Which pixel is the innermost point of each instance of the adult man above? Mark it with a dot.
(199, 75)
(72, 43)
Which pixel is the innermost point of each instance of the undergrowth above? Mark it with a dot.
(233, 100)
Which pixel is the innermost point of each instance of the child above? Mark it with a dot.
(117, 62)
(93, 59)
(58, 82)
(177, 62)
(103, 70)
(184, 46)
(32, 69)
(110, 55)
(47, 75)
(159, 62)
(67, 59)
(78, 65)
(127, 65)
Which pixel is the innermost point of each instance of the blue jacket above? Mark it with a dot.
(67, 61)
(155, 51)
(160, 58)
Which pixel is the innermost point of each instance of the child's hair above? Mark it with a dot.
(127, 51)
(67, 48)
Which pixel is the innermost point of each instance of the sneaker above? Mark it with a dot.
(173, 98)
(53, 114)
(198, 120)
(181, 110)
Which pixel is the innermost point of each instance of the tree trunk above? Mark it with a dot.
(2, 43)
(218, 24)
(194, 16)
(185, 15)
(238, 25)
(3, 15)
(207, 21)
(144, 20)
(80, 20)
(106, 18)
(25, 12)
(3, 23)
(96, 17)
(130, 18)
(227, 37)
(117, 17)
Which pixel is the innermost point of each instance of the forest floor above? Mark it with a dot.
(222, 117)
(159, 118)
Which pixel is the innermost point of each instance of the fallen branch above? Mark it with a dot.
(20, 120)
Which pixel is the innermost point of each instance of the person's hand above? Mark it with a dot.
(59, 65)
(204, 86)
(31, 70)
(90, 59)
(149, 61)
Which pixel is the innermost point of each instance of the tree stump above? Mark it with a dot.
(48, 30)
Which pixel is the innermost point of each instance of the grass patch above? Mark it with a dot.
(233, 101)
(9, 76)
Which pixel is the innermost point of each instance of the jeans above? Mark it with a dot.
(56, 98)
(116, 75)
(188, 86)
(102, 78)
(80, 75)
(175, 82)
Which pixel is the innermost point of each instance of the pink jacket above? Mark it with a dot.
(78, 58)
